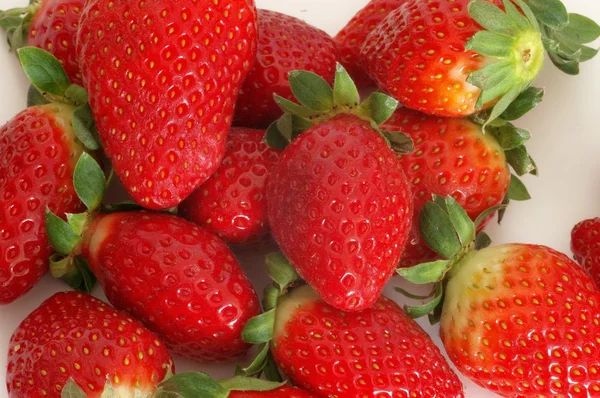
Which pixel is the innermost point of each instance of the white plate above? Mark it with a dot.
(565, 144)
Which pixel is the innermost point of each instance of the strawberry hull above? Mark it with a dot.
(162, 84)
(38, 152)
(178, 279)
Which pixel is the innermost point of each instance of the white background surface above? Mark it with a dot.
(565, 144)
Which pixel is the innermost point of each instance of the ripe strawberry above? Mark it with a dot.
(163, 84)
(50, 25)
(517, 319)
(378, 351)
(350, 39)
(339, 205)
(74, 343)
(585, 244)
(233, 202)
(38, 152)
(178, 279)
(285, 44)
(453, 157)
(190, 385)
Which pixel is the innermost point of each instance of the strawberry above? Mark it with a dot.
(178, 279)
(453, 157)
(517, 319)
(192, 385)
(39, 148)
(585, 244)
(233, 202)
(285, 44)
(378, 351)
(350, 39)
(339, 204)
(454, 58)
(75, 344)
(163, 84)
(50, 25)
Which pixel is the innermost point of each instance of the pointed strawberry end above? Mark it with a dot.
(319, 102)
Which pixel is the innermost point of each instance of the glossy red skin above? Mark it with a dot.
(452, 157)
(545, 326)
(233, 202)
(585, 244)
(37, 159)
(75, 332)
(163, 89)
(285, 44)
(178, 279)
(340, 208)
(407, 57)
(350, 39)
(281, 392)
(54, 29)
(378, 352)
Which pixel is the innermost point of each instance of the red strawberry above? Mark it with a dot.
(375, 352)
(74, 343)
(233, 202)
(50, 25)
(191, 385)
(178, 279)
(519, 320)
(163, 84)
(350, 39)
(38, 152)
(585, 244)
(452, 157)
(285, 44)
(339, 204)
(418, 55)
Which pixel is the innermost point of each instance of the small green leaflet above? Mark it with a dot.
(44, 71)
(89, 181)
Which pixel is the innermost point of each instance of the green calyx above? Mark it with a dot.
(196, 384)
(72, 390)
(16, 22)
(447, 230)
(318, 102)
(66, 236)
(260, 329)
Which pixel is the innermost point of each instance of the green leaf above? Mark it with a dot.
(258, 364)
(520, 21)
(72, 390)
(425, 273)
(293, 108)
(35, 98)
(491, 44)
(463, 226)
(87, 280)
(270, 298)
(570, 67)
(345, 92)
(190, 385)
(550, 12)
(85, 127)
(523, 104)
(482, 241)
(504, 102)
(378, 107)
(274, 138)
(60, 234)
(517, 190)
(77, 222)
(281, 271)
(285, 126)
(438, 232)
(502, 212)
(271, 370)
(488, 212)
(581, 29)
(260, 328)
(44, 71)
(528, 13)
(519, 159)
(414, 296)
(76, 95)
(421, 311)
(399, 142)
(241, 383)
(490, 17)
(509, 137)
(311, 90)
(75, 272)
(89, 182)
(436, 314)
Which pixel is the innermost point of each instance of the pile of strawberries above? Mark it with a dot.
(229, 125)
